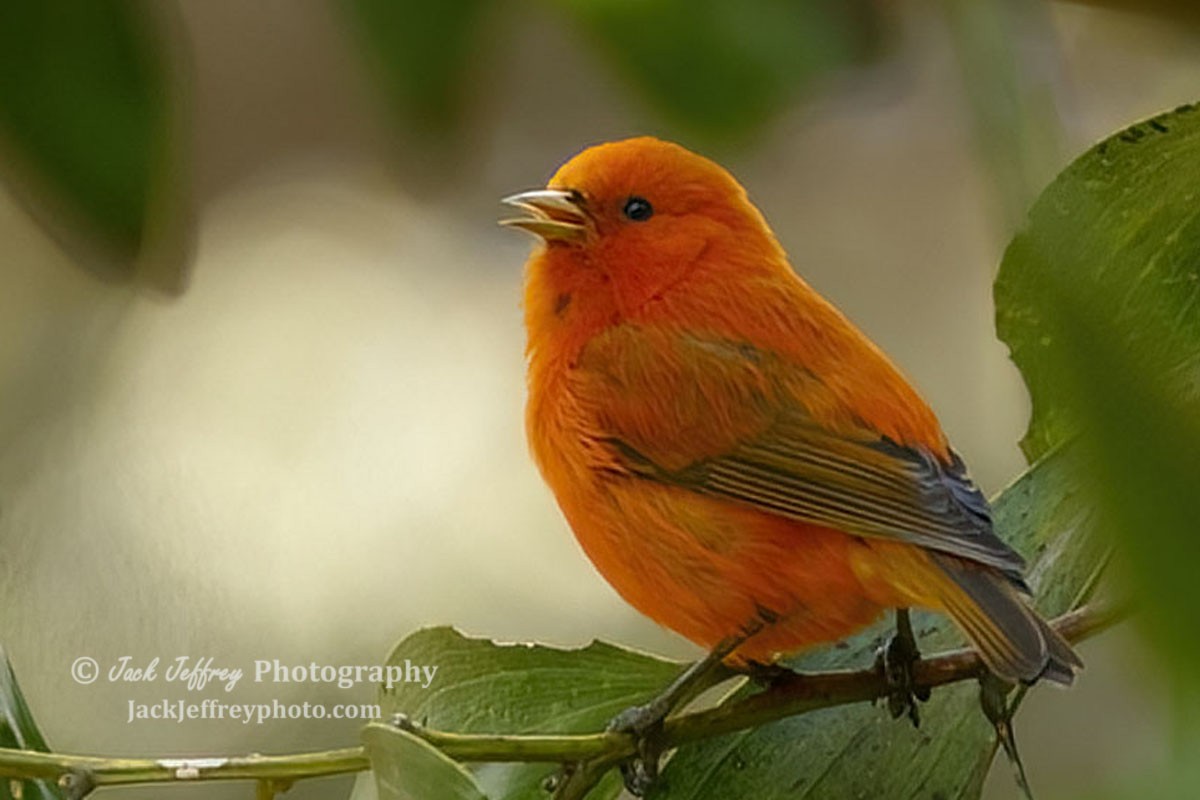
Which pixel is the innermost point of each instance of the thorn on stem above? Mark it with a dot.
(77, 784)
(550, 782)
(404, 722)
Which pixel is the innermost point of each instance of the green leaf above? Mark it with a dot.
(1099, 299)
(422, 55)
(364, 787)
(720, 70)
(483, 687)
(84, 116)
(19, 731)
(858, 751)
(1115, 236)
(409, 768)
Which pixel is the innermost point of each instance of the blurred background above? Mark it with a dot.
(260, 343)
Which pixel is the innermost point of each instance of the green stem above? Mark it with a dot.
(118, 771)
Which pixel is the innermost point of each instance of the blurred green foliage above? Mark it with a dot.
(89, 90)
(1099, 300)
(1113, 243)
(84, 112)
(719, 70)
(712, 69)
(1015, 126)
(19, 731)
(422, 55)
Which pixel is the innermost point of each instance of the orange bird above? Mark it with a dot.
(735, 457)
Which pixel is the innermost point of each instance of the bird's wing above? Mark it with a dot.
(725, 419)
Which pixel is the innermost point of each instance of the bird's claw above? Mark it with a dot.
(896, 660)
(644, 723)
(639, 773)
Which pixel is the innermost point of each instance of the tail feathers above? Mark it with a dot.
(1063, 662)
(1015, 643)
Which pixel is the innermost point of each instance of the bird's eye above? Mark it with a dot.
(638, 209)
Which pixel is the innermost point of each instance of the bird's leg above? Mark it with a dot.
(702, 675)
(896, 660)
(646, 720)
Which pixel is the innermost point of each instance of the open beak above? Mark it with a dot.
(554, 214)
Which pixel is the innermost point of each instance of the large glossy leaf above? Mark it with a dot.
(483, 687)
(719, 69)
(408, 768)
(1099, 299)
(85, 120)
(19, 731)
(858, 751)
(1116, 236)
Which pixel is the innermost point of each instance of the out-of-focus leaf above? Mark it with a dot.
(1119, 232)
(1009, 96)
(19, 731)
(483, 687)
(409, 768)
(85, 120)
(858, 751)
(365, 787)
(422, 54)
(718, 69)
(1187, 11)
(1144, 443)
(1100, 303)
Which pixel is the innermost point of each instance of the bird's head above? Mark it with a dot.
(629, 221)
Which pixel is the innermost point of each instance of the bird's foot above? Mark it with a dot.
(897, 660)
(644, 723)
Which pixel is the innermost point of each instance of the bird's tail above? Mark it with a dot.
(1015, 643)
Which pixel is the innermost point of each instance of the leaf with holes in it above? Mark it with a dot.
(18, 731)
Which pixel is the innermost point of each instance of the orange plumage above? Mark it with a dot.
(725, 444)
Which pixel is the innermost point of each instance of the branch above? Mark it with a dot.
(788, 697)
(118, 771)
(802, 693)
